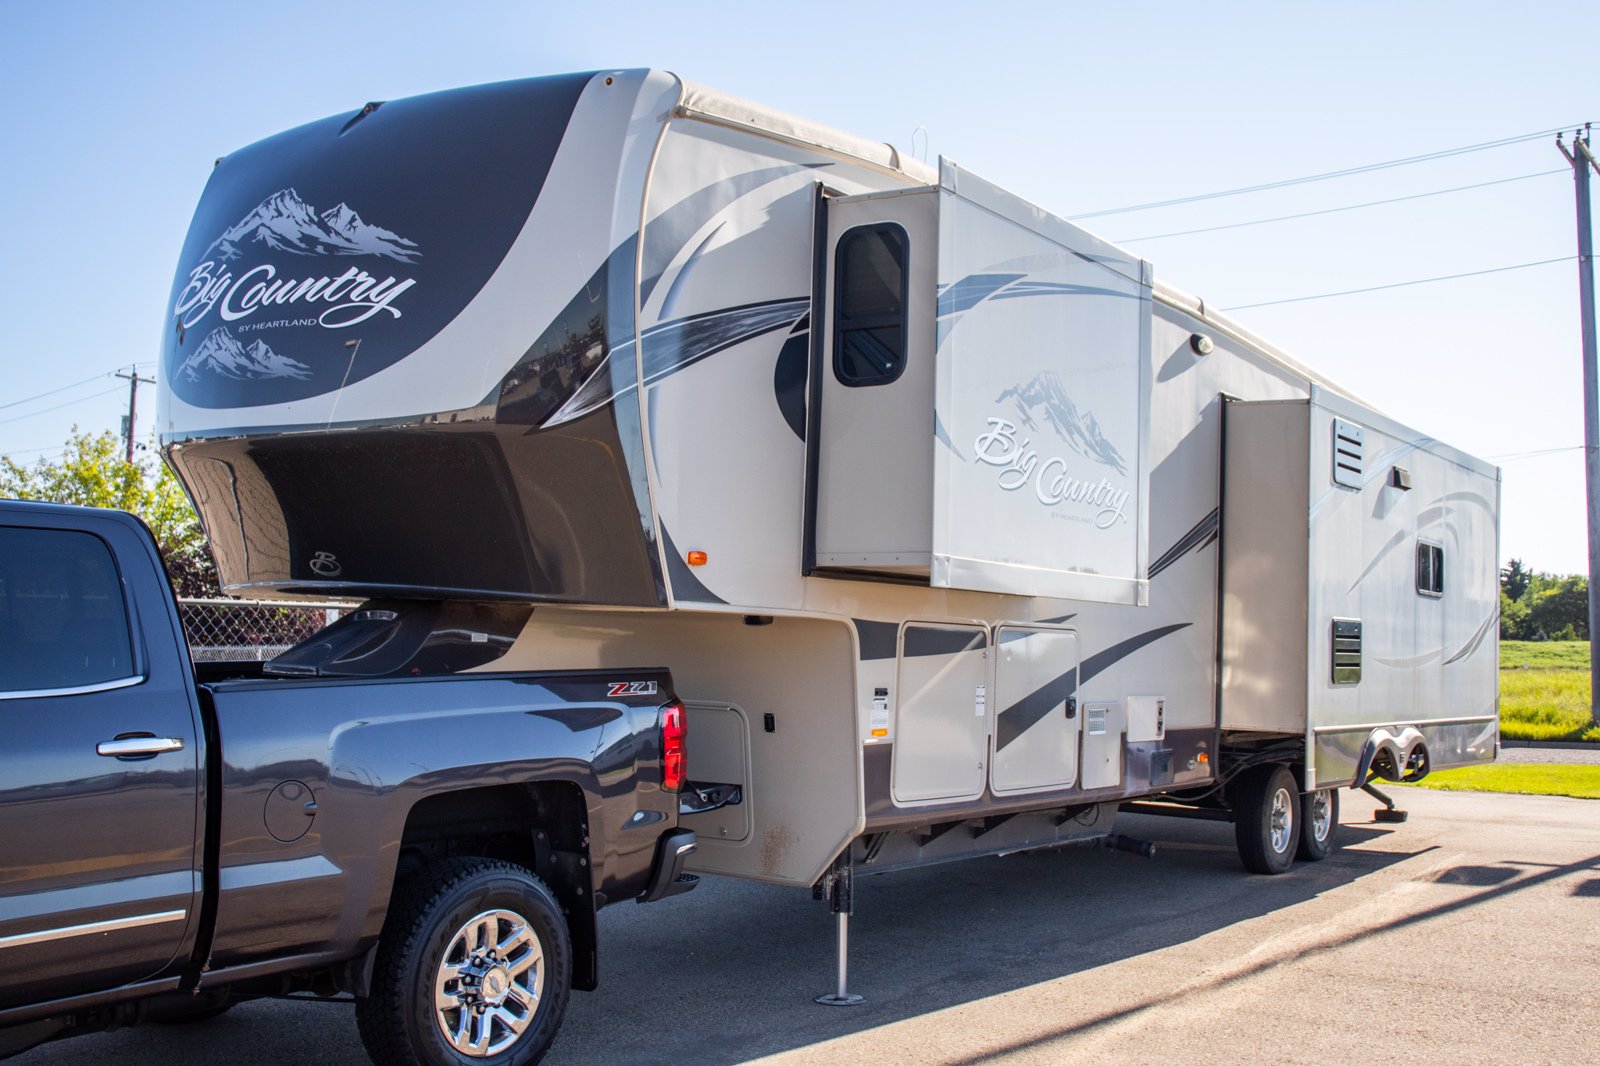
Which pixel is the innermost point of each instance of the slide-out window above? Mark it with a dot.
(869, 305)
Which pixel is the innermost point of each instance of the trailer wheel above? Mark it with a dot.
(474, 966)
(1266, 819)
(1319, 824)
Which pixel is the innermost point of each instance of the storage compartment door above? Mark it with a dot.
(1036, 711)
(719, 753)
(942, 721)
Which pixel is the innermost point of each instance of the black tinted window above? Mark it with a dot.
(1430, 569)
(62, 619)
(869, 344)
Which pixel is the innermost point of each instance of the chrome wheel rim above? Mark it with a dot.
(1281, 820)
(1321, 814)
(487, 988)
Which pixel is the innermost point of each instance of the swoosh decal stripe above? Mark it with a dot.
(1477, 638)
(1203, 533)
(1018, 718)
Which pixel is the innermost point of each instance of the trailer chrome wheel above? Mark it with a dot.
(474, 966)
(1267, 819)
(1319, 824)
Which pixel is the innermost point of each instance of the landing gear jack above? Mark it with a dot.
(1388, 812)
(836, 888)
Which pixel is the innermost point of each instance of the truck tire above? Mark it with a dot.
(1266, 819)
(474, 966)
(1319, 824)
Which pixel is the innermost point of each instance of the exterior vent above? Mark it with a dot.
(1346, 651)
(1349, 453)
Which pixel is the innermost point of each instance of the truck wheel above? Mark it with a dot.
(474, 966)
(1266, 822)
(1319, 824)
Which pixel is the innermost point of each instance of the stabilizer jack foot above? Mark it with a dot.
(837, 888)
(1388, 812)
(833, 999)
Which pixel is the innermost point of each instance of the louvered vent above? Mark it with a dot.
(1349, 453)
(1346, 651)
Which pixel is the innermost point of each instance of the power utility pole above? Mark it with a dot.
(1581, 159)
(134, 381)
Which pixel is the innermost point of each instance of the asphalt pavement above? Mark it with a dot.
(1571, 754)
(1469, 934)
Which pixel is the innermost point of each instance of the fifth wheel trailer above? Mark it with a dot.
(957, 529)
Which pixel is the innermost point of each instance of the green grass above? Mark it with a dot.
(1527, 779)
(1544, 690)
(1544, 704)
(1544, 654)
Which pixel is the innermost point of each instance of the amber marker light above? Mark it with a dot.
(1202, 758)
(697, 558)
(880, 732)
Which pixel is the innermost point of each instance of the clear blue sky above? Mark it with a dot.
(113, 113)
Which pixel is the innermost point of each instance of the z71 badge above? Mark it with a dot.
(632, 688)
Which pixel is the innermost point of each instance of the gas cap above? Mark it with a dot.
(290, 810)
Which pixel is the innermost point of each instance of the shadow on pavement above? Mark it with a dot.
(728, 972)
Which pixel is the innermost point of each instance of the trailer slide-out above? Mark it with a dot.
(957, 530)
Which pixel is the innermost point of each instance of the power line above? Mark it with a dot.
(59, 406)
(56, 448)
(52, 392)
(1401, 284)
(1336, 210)
(1515, 456)
(1345, 173)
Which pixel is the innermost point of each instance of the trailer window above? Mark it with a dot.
(869, 302)
(1430, 569)
(62, 620)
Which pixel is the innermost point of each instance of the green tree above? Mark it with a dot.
(1515, 578)
(1513, 618)
(1558, 607)
(93, 472)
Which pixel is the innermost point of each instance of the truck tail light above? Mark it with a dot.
(673, 733)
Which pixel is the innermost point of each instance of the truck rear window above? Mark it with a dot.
(62, 619)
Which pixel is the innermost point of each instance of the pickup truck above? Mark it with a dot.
(357, 818)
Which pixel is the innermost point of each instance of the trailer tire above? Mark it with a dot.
(1319, 824)
(488, 938)
(1266, 819)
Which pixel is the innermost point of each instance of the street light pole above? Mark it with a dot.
(1582, 161)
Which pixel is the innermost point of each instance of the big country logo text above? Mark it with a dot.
(1022, 465)
(283, 222)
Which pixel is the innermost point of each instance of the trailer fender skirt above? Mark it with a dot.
(1393, 756)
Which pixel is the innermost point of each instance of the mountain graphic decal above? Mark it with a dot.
(223, 355)
(286, 223)
(1046, 398)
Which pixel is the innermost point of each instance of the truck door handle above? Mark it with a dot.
(145, 745)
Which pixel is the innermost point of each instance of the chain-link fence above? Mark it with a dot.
(232, 630)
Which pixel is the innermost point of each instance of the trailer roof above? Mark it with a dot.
(724, 109)
(711, 105)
